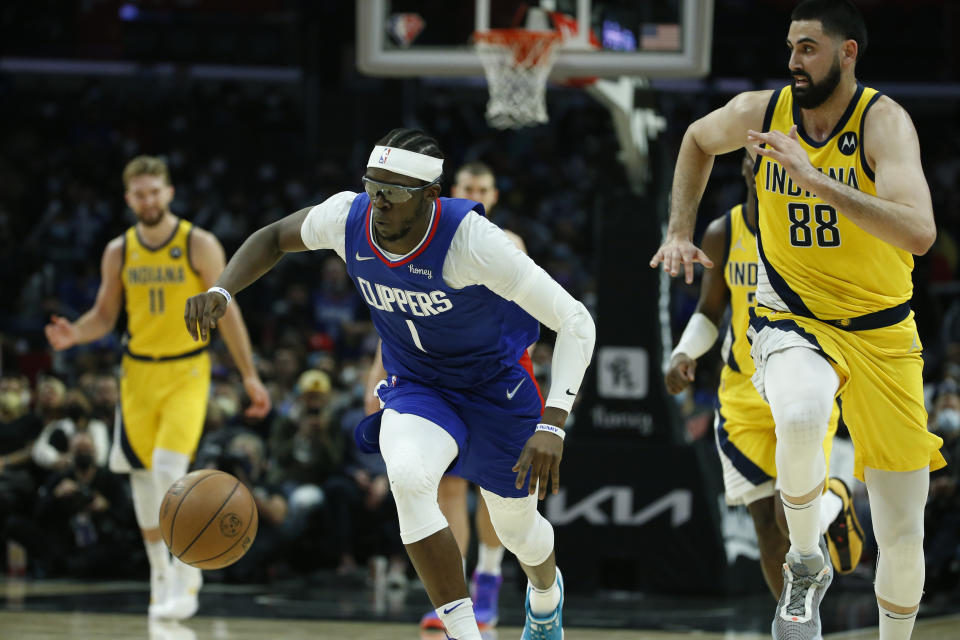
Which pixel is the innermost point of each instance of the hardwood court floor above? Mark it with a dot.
(64, 609)
(40, 625)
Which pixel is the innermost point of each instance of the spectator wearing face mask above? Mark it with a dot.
(307, 451)
(942, 543)
(50, 451)
(80, 523)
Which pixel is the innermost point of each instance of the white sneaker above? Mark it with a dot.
(182, 599)
(159, 582)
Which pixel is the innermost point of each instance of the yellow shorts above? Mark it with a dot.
(881, 386)
(747, 440)
(162, 405)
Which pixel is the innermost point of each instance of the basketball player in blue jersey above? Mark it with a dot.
(473, 181)
(744, 427)
(456, 304)
(843, 207)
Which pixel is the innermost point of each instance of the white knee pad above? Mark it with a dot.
(168, 467)
(417, 453)
(896, 503)
(801, 426)
(901, 571)
(800, 385)
(520, 527)
(149, 486)
(146, 498)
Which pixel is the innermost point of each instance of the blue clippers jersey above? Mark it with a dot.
(454, 338)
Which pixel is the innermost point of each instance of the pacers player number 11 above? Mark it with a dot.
(156, 300)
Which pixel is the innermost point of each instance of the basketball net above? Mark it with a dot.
(516, 63)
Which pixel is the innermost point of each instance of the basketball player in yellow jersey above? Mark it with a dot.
(843, 205)
(744, 427)
(154, 267)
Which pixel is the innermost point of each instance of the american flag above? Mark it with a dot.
(660, 37)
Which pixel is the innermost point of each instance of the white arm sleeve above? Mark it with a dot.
(697, 338)
(480, 253)
(325, 226)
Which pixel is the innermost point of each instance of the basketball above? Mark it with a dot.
(208, 519)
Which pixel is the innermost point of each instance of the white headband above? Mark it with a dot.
(406, 163)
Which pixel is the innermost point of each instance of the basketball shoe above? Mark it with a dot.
(548, 627)
(182, 599)
(485, 590)
(844, 535)
(805, 581)
(159, 583)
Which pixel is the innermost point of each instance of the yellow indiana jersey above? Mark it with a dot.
(157, 282)
(740, 273)
(814, 262)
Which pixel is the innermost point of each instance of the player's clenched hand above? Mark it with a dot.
(541, 456)
(676, 253)
(202, 312)
(60, 333)
(785, 148)
(681, 372)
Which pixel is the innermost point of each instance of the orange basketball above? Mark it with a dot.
(208, 519)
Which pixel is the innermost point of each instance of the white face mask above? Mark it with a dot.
(948, 421)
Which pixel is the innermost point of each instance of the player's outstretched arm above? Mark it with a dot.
(718, 132)
(701, 331)
(207, 257)
(901, 213)
(257, 255)
(102, 317)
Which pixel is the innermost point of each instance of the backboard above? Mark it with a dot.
(651, 38)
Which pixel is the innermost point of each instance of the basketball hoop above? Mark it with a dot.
(516, 63)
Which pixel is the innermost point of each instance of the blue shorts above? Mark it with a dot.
(490, 422)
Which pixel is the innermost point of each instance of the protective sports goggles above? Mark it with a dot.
(392, 193)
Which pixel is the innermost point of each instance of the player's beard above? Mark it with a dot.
(151, 221)
(422, 211)
(815, 94)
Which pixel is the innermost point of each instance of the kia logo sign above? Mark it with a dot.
(620, 512)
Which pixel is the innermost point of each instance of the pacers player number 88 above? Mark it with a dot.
(826, 225)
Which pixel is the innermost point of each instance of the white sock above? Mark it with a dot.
(830, 507)
(803, 521)
(489, 559)
(896, 626)
(158, 556)
(458, 618)
(544, 602)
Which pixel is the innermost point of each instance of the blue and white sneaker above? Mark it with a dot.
(549, 627)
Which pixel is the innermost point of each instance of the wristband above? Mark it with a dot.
(557, 431)
(221, 291)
